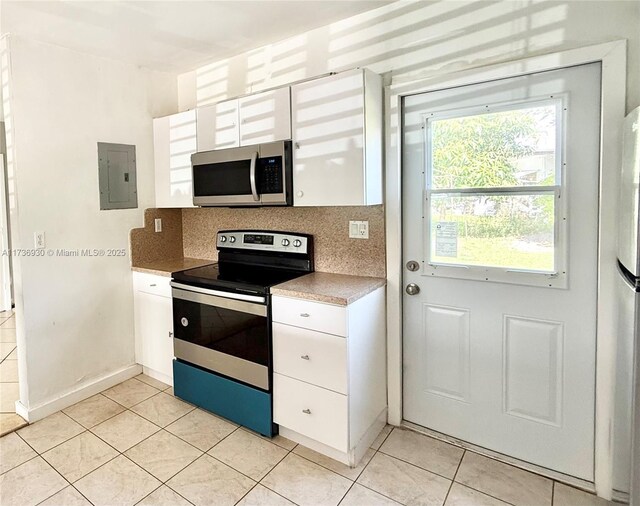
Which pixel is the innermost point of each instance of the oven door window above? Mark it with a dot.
(242, 335)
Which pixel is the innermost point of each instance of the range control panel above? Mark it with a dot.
(263, 241)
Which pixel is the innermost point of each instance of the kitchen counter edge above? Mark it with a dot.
(338, 289)
(168, 267)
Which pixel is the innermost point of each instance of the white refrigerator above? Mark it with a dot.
(626, 466)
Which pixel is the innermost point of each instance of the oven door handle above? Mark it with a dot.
(219, 293)
(216, 301)
(252, 176)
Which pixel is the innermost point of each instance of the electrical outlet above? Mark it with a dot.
(158, 224)
(359, 230)
(363, 230)
(38, 239)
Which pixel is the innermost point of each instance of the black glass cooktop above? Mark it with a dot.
(235, 277)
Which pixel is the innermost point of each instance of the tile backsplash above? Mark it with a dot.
(334, 250)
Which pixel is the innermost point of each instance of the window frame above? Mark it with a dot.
(554, 279)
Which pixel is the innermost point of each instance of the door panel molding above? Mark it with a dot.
(448, 378)
(533, 369)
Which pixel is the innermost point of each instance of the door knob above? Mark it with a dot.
(412, 289)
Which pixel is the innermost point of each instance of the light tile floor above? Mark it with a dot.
(137, 444)
(9, 392)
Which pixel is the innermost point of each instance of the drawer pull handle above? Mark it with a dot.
(305, 315)
(153, 284)
(304, 357)
(306, 411)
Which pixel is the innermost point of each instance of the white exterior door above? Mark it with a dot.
(500, 214)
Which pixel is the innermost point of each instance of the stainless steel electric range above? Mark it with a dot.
(222, 323)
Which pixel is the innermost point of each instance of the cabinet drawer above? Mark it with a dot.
(310, 356)
(152, 283)
(310, 315)
(312, 411)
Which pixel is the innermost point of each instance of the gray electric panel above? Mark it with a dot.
(117, 175)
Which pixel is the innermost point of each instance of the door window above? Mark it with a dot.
(493, 188)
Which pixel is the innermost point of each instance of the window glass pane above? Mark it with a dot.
(511, 231)
(509, 148)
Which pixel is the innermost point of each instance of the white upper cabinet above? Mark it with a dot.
(174, 140)
(218, 126)
(337, 134)
(265, 117)
(261, 117)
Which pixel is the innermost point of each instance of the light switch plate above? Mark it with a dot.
(158, 224)
(38, 239)
(354, 229)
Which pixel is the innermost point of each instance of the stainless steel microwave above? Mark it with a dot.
(257, 175)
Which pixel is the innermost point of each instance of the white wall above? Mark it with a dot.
(406, 39)
(75, 314)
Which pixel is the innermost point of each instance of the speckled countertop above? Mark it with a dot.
(340, 289)
(166, 266)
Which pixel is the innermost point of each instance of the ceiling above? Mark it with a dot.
(175, 36)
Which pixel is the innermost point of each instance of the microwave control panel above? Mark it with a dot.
(270, 174)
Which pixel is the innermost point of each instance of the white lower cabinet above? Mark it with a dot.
(329, 391)
(153, 325)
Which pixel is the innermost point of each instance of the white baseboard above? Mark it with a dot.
(82, 392)
(168, 380)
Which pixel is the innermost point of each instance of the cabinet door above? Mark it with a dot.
(154, 330)
(265, 117)
(218, 126)
(328, 134)
(174, 140)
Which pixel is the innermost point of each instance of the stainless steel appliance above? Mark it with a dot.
(222, 323)
(257, 175)
(626, 433)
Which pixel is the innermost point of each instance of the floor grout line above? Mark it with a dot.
(76, 489)
(378, 492)
(47, 462)
(247, 493)
(415, 465)
(336, 472)
(453, 478)
(484, 493)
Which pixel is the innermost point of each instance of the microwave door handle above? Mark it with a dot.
(252, 176)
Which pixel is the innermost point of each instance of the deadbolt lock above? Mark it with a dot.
(412, 265)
